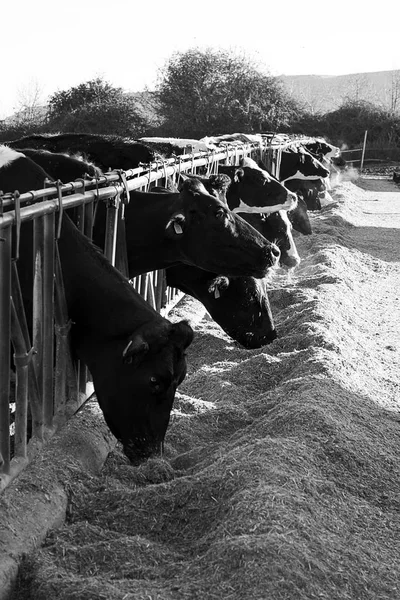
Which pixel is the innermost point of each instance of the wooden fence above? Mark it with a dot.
(49, 387)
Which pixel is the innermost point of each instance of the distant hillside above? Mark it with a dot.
(320, 93)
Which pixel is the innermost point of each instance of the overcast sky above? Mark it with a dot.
(53, 45)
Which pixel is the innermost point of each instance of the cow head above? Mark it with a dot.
(277, 227)
(299, 217)
(209, 235)
(239, 305)
(254, 190)
(135, 380)
(297, 163)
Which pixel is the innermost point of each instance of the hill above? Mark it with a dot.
(322, 93)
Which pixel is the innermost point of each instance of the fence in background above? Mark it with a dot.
(49, 386)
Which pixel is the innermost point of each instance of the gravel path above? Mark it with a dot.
(378, 234)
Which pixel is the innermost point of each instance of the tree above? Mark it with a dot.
(93, 92)
(205, 92)
(97, 107)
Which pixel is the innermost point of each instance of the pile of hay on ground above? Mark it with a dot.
(281, 478)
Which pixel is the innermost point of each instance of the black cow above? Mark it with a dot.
(299, 217)
(136, 357)
(312, 191)
(61, 166)
(240, 305)
(106, 151)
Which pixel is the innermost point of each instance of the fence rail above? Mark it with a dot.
(49, 387)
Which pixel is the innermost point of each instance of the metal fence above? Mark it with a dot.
(47, 386)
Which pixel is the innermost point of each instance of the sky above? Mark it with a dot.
(48, 46)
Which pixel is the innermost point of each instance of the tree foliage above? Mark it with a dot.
(346, 125)
(96, 107)
(206, 92)
(93, 92)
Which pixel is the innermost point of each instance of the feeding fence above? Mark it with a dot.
(47, 385)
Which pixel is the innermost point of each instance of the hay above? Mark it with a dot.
(281, 474)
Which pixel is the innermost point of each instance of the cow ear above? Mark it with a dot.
(181, 334)
(239, 174)
(176, 225)
(135, 350)
(218, 285)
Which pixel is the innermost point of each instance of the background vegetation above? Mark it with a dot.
(210, 92)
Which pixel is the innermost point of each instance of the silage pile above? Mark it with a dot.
(282, 471)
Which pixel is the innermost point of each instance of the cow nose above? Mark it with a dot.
(292, 261)
(276, 254)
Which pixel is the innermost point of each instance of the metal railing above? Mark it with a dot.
(49, 386)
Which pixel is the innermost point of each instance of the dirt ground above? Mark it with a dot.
(281, 479)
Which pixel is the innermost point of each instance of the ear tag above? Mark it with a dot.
(177, 228)
(216, 293)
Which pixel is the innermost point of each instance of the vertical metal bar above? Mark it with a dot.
(363, 150)
(151, 294)
(111, 229)
(35, 401)
(21, 359)
(88, 220)
(48, 317)
(160, 290)
(37, 322)
(5, 331)
(143, 285)
(61, 327)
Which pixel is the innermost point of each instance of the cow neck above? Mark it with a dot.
(99, 297)
(146, 218)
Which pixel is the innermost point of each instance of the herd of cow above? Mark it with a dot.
(217, 236)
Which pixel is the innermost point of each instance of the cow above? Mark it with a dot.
(62, 166)
(254, 190)
(105, 151)
(277, 227)
(239, 305)
(298, 212)
(169, 147)
(297, 163)
(299, 216)
(321, 149)
(312, 191)
(135, 356)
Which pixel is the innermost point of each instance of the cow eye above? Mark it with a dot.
(155, 385)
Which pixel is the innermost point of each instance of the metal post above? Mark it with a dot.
(5, 331)
(363, 150)
(111, 229)
(48, 317)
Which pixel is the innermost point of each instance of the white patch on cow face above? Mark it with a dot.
(8, 155)
(300, 175)
(289, 204)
